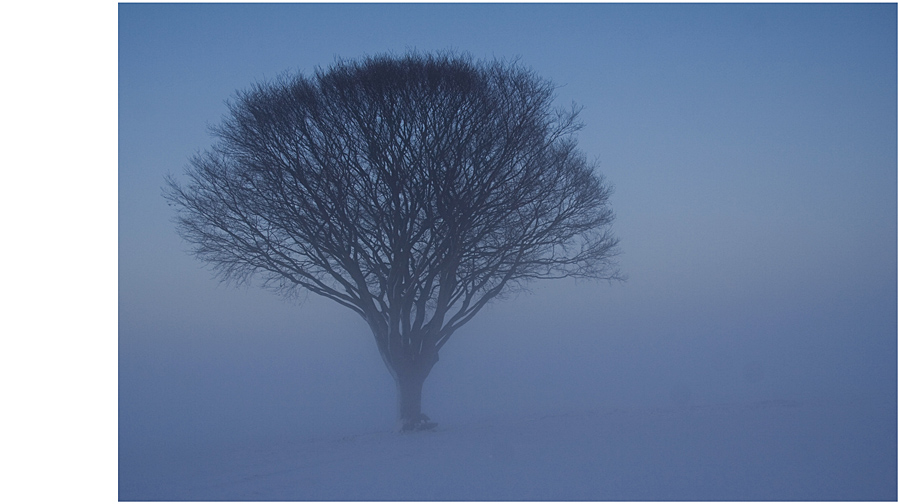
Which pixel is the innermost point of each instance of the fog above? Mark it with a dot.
(753, 150)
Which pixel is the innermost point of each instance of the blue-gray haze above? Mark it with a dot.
(753, 150)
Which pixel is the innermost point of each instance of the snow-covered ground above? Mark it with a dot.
(764, 450)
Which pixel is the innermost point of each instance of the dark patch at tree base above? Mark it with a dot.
(422, 423)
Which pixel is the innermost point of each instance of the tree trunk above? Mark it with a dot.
(409, 382)
(409, 401)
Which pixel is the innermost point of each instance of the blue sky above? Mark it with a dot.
(753, 150)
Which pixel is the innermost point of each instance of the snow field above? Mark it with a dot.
(770, 450)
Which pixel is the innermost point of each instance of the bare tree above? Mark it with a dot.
(412, 190)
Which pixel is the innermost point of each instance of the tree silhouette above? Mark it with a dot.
(412, 190)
